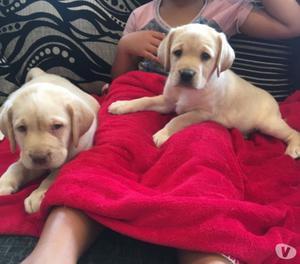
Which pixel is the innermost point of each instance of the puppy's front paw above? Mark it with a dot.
(120, 107)
(160, 137)
(7, 188)
(7, 184)
(293, 148)
(293, 151)
(33, 202)
(1, 136)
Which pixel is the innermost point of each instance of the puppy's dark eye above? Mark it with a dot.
(205, 56)
(56, 126)
(22, 128)
(177, 53)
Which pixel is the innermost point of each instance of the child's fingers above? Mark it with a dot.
(158, 35)
(153, 49)
(155, 42)
(150, 56)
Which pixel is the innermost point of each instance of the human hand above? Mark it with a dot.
(142, 44)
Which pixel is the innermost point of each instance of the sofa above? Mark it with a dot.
(77, 39)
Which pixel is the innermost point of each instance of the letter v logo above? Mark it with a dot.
(285, 251)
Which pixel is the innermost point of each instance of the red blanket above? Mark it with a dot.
(205, 189)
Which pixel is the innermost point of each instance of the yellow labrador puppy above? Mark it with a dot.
(51, 120)
(201, 87)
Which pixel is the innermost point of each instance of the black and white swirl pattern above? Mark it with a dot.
(76, 39)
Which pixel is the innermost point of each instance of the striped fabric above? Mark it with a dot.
(73, 38)
(264, 64)
(77, 39)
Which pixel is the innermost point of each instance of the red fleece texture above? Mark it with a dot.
(206, 189)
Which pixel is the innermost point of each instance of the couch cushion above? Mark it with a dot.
(73, 38)
(77, 39)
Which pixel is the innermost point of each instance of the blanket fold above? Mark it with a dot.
(206, 189)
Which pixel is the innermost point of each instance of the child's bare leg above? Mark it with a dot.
(189, 257)
(66, 234)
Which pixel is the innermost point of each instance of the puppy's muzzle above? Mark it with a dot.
(186, 76)
(40, 159)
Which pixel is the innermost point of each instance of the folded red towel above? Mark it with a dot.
(206, 188)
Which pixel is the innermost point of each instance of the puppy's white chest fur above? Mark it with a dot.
(199, 57)
(223, 100)
(206, 100)
(51, 120)
(190, 99)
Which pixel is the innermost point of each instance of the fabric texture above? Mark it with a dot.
(264, 63)
(205, 189)
(13, 249)
(76, 39)
(224, 16)
(110, 248)
(268, 64)
(228, 16)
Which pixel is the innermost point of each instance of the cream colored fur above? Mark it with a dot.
(51, 120)
(213, 93)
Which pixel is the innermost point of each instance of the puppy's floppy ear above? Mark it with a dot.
(6, 125)
(225, 55)
(164, 49)
(34, 72)
(82, 118)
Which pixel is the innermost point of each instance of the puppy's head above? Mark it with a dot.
(45, 122)
(193, 54)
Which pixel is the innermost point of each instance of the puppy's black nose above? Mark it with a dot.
(39, 159)
(186, 75)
